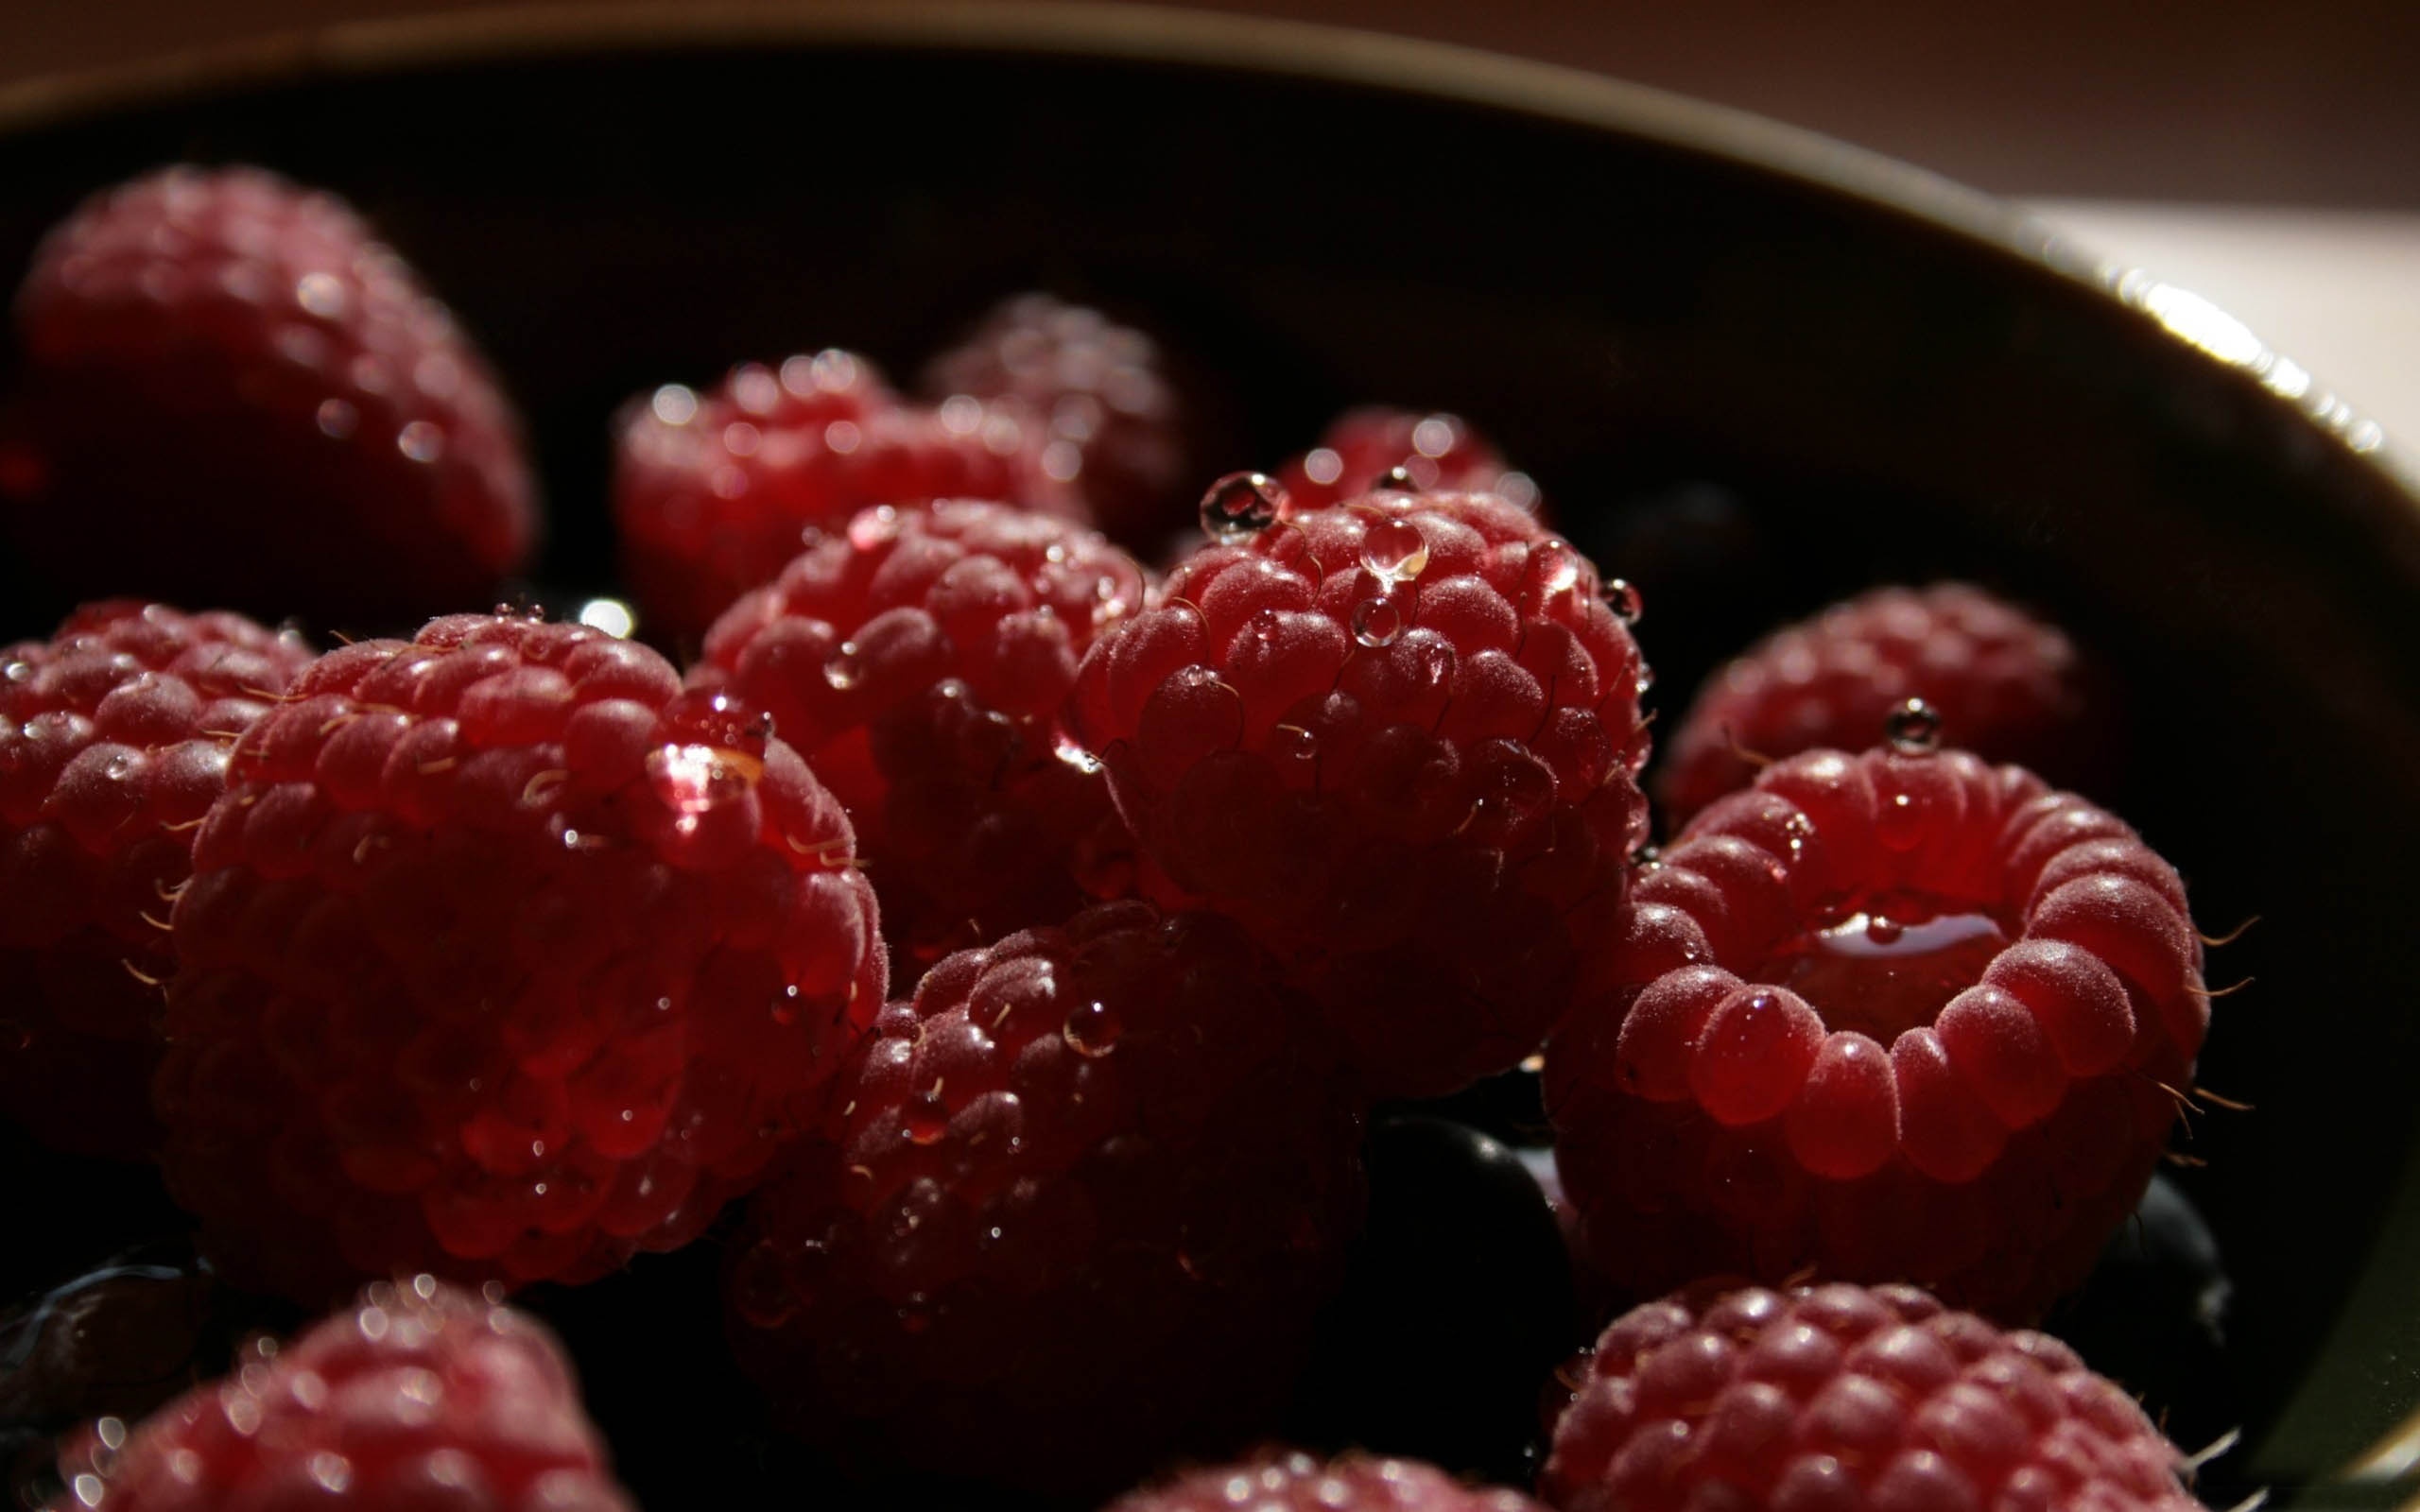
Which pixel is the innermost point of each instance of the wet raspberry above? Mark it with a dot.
(114, 740)
(1098, 393)
(2002, 683)
(1438, 453)
(1884, 1016)
(502, 957)
(918, 661)
(1842, 1397)
(713, 492)
(268, 355)
(1397, 739)
(1074, 1209)
(419, 1396)
(1291, 1481)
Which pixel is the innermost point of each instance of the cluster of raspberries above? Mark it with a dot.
(1027, 934)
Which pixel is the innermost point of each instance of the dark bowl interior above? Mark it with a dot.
(1668, 316)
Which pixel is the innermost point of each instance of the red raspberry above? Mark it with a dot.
(113, 738)
(421, 1397)
(919, 661)
(1882, 1017)
(1097, 394)
(714, 493)
(1074, 1208)
(1397, 738)
(1843, 1397)
(1290, 1481)
(503, 957)
(2002, 683)
(212, 356)
(1437, 452)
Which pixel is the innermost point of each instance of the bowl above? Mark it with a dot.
(1752, 370)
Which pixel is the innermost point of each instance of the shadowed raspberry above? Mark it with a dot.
(919, 661)
(713, 492)
(1074, 1208)
(1843, 1397)
(2005, 686)
(1096, 390)
(503, 957)
(1882, 1017)
(1397, 739)
(1290, 1481)
(1437, 452)
(212, 357)
(114, 738)
(420, 1397)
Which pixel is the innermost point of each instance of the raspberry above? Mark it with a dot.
(113, 738)
(423, 1396)
(1839, 1396)
(1074, 1208)
(1882, 1017)
(1291, 1481)
(1437, 452)
(1397, 738)
(502, 957)
(918, 661)
(1096, 391)
(714, 493)
(2003, 684)
(211, 358)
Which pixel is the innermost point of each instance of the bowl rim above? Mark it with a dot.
(1150, 33)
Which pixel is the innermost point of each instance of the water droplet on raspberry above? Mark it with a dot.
(1553, 569)
(1091, 1030)
(1623, 598)
(1394, 550)
(694, 780)
(17, 671)
(843, 667)
(1076, 756)
(612, 615)
(874, 528)
(719, 719)
(420, 442)
(1293, 743)
(1914, 728)
(1242, 505)
(1883, 930)
(1376, 621)
(1396, 479)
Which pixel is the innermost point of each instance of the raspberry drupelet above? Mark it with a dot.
(918, 661)
(1437, 452)
(2002, 683)
(502, 957)
(113, 741)
(713, 492)
(1841, 1397)
(1397, 738)
(1073, 1210)
(1096, 390)
(1277, 1480)
(212, 356)
(419, 1396)
(1896, 1015)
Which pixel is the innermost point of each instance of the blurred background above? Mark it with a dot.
(2265, 156)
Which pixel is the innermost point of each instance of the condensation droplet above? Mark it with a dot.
(1376, 621)
(694, 779)
(322, 294)
(1091, 1030)
(843, 667)
(1242, 505)
(1293, 742)
(1394, 550)
(17, 671)
(1913, 729)
(1883, 930)
(1623, 598)
(611, 615)
(1553, 569)
(1396, 479)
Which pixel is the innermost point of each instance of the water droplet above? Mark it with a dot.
(925, 1118)
(1914, 728)
(1645, 681)
(1077, 757)
(611, 615)
(1293, 743)
(1883, 930)
(17, 671)
(1436, 434)
(843, 667)
(1394, 550)
(1396, 479)
(1242, 505)
(1647, 856)
(674, 404)
(1323, 465)
(694, 779)
(1553, 569)
(421, 441)
(874, 528)
(1623, 598)
(321, 294)
(1091, 1030)
(1376, 621)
